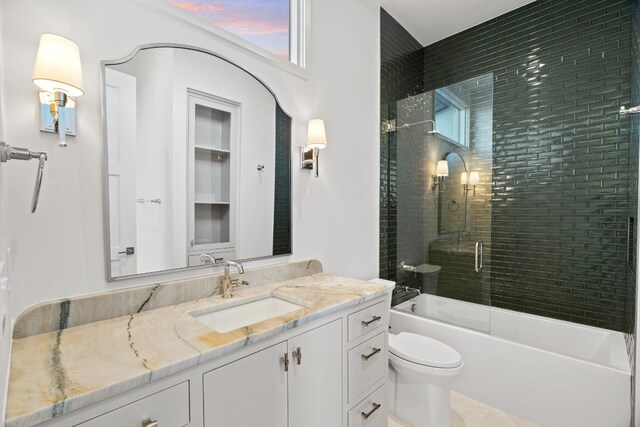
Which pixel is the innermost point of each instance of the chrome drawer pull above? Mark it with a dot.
(375, 319)
(366, 415)
(285, 361)
(370, 355)
(149, 423)
(298, 355)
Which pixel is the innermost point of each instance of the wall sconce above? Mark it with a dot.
(316, 141)
(442, 171)
(474, 179)
(58, 73)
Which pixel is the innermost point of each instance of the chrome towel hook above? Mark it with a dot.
(8, 152)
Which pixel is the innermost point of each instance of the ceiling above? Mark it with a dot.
(432, 20)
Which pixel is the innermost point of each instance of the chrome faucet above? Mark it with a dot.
(227, 283)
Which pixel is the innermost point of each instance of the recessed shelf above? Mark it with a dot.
(204, 202)
(210, 135)
(211, 149)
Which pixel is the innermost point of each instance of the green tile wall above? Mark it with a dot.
(282, 205)
(561, 169)
(401, 76)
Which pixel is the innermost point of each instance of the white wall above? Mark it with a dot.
(5, 330)
(59, 250)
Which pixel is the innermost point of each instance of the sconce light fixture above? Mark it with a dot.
(473, 180)
(442, 171)
(316, 141)
(58, 73)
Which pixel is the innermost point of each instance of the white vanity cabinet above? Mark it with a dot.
(296, 380)
(330, 372)
(367, 365)
(249, 392)
(169, 407)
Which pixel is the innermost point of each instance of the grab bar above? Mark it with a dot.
(479, 256)
(8, 152)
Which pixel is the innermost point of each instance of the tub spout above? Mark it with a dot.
(407, 267)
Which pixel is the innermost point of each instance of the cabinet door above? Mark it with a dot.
(249, 392)
(315, 384)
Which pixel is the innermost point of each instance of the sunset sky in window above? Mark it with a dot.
(262, 22)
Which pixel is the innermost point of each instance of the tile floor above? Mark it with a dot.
(468, 412)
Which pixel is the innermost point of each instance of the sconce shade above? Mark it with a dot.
(58, 65)
(442, 168)
(474, 178)
(316, 135)
(463, 178)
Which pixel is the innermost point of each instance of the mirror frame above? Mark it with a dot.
(105, 161)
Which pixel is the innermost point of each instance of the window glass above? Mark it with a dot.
(451, 117)
(264, 23)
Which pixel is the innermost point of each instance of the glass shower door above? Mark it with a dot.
(443, 184)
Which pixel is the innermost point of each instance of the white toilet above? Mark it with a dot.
(421, 370)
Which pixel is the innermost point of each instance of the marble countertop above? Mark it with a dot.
(56, 372)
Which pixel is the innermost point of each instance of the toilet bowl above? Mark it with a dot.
(421, 370)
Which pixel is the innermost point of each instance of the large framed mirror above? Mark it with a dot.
(197, 164)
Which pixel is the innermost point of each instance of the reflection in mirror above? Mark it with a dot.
(198, 161)
(441, 223)
(452, 200)
(463, 114)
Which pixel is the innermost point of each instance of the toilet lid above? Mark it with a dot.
(423, 350)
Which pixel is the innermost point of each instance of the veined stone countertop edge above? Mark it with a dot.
(58, 314)
(53, 374)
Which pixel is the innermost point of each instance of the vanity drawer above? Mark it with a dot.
(169, 407)
(366, 320)
(371, 412)
(224, 255)
(367, 364)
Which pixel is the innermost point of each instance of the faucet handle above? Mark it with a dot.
(237, 282)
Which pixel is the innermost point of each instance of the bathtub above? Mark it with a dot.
(550, 372)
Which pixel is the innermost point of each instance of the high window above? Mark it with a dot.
(272, 25)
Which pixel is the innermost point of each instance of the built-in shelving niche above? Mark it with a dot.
(211, 148)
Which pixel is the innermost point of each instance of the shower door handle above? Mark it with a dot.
(479, 256)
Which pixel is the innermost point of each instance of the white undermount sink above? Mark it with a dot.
(238, 316)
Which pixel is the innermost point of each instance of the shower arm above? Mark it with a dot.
(8, 152)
